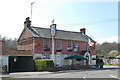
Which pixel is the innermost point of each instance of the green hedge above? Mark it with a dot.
(43, 64)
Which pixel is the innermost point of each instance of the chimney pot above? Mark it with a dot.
(27, 22)
(83, 30)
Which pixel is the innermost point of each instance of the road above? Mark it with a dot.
(107, 72)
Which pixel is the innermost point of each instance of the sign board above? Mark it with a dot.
(53, 30)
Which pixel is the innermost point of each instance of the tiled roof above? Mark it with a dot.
(61, 34)
(17, 52)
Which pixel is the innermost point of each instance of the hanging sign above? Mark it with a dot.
(53, 30)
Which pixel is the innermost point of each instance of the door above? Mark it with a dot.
(20, 63)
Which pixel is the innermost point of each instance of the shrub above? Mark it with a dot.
(43, 64)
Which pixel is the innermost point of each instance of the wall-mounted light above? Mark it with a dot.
(15, 60)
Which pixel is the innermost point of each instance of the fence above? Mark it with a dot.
(111, 61)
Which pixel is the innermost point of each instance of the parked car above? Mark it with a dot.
(99, 63)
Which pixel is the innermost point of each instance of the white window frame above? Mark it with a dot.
(76, 47)
(59, 44)
(70, 44)
(46, 42)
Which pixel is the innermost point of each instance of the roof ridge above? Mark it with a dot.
(58, 30)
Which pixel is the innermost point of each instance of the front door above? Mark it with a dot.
(59, 60)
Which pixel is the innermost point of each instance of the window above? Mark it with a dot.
(88, 47)
(46, 44)
(59, 45)
(76, 48)
(45, 56)
(69, 48)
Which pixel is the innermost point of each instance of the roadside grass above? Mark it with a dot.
(112, 64)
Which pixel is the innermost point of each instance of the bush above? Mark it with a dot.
(43, 64)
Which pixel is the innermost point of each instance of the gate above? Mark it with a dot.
(20, 63)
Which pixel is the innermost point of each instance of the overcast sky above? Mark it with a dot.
(100, 18)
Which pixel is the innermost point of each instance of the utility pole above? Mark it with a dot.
(31, 10)
(53, 33)
(33, 36)
(53, 54)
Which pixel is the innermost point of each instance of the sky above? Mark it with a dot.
(99, 17)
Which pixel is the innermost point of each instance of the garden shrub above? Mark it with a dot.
(43, 64)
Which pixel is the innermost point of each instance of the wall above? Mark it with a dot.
(0, 47)
(64, 47)
(93, 62)
(4, 61)
(3, 47)
(26, 44)
(93, 50)
(25, 34)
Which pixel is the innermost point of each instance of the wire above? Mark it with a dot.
(93, 22)
(9, 13)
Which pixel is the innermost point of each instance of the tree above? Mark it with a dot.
(10, 44)
(105, 48)
(113, 53)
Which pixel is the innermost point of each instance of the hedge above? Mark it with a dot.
(43, 64)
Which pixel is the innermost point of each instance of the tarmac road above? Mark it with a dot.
(110, 72)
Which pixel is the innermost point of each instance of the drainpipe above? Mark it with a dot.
(33, 46)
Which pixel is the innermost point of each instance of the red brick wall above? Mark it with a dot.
(38, 46)
(64, 47)
(26, 44)
(25, 34)
(3, 47)
(93, 50)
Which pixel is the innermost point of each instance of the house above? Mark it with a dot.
(38, 41)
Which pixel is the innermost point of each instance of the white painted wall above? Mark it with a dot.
(93, 62)
(37, 56)
(59, 59)
(87, 55)
(4, 60)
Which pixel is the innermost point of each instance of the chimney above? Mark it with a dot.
(27, 22)
(82, 30)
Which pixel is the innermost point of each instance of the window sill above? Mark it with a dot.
(69, 49)
(59, 50)
(46, 49)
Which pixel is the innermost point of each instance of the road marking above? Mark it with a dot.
(113, 76)
(84, 77)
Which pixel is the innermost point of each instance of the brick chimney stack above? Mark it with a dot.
(83, 30)
(27, 22)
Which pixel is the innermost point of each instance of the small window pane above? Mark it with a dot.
(59, 44)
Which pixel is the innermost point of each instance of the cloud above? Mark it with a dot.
(109, 39)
